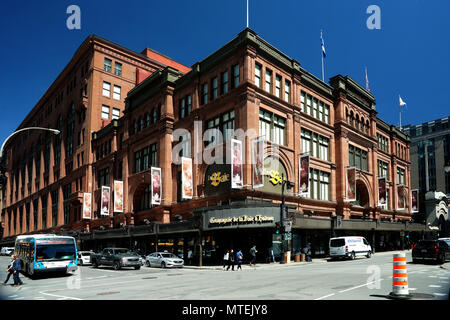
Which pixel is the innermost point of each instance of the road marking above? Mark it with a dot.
(432, 276)
(440, 294)
(13, 296)
(366, 284)
(19, 298)
(39, 298)
(412, 289)
(91, 278)
(55, 295)
(445, 278)
(329, 295)
(434, 286)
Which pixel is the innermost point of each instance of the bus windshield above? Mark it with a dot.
(55, 252)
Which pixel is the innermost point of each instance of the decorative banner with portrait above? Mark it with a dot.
(156, 186)
(351, 184)
(382, 198)
(258, 146)
(87, 205)
(105, 201)
(118, 196)
(401, 197)
(187, 185)
(304, 174)
(236, 164)
(415, 200)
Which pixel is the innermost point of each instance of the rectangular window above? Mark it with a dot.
(214, 88)
(319, 185)
(400, 176)
(103, 177)
(357, 158)
(383, 169)
(116, 93)
(107, 65)
(204, 93)
(106, 89)
(268, 86)
(224, 83)
(105, 112)
(302, 101)
(272, 127)
(315, 113)
(224, 123)
(278, 86)
(145, 158)
(287, 91)
(185, 106)
(258, 75)
(117, 69)
(236, 78)
(115, 113)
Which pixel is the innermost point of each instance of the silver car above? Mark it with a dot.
(163, 260)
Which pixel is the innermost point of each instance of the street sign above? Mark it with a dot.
(288, 236)
(287, 225)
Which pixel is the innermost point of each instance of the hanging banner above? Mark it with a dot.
(351, 184)
(156, 186)
(401, 197)
(415, 200)
(382, 200)
(304, 174)
(258, 146)
(118, 196)
(187, 186)
(236, 165)
(87, 205)
(104, 201)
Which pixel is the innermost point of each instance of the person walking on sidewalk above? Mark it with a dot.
(271, 256)
(239, 258)
(226, 256)
(231, 260)
(189, 256)
(16, 267)
(253, 252)
(307, 252)
(9, 270)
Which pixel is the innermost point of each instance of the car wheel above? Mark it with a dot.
(441, 259)
(147, 264)
(116, 266)
(137, 267)
(369, 254)
(353, 256)
(163, 265)
(95, 264)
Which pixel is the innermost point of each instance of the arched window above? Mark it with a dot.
(367, 126)
(141, 123)
(352, 117)
(362, 124)
(357, 122)
(147, 119)
(154, 115)
(347, 116)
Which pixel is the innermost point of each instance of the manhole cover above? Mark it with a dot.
(146, 278)
(417, 295)
(106, 293)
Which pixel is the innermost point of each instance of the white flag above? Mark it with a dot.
(402, 103)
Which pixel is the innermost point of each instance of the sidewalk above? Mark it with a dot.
(277, 264)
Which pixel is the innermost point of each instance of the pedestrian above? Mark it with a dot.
(253, 252)
(226, 256)
(231, 260)
(16, 267)
(271, 256)
(9, 270)
(239, 258)
(307, 252)
(189, 256)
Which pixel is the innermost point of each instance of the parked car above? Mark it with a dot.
(349, 247)
(431, 250)
(84, 257)
(7, 251)
(117, 258)
(163, 260)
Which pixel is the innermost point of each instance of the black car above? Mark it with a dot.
(431, 250)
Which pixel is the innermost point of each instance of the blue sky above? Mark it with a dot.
(408, 56)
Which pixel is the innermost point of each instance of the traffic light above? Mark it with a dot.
(277, 227)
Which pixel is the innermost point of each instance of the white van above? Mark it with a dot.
(349, 247)
(6, 251)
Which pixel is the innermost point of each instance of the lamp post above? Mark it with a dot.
(2, 169)
(289, 185)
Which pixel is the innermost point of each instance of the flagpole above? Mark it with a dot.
(323, 72)
(247, 13)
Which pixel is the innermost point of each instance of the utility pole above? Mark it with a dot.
(289, 185)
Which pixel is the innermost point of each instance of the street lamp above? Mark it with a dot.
(2, 169)
(289, 185)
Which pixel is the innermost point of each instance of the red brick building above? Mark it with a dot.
(247, 84)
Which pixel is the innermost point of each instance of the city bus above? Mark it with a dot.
(46, 253)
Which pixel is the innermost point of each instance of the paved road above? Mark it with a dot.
(361, 279)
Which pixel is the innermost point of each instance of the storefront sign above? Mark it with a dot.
(382, 191)
(351, 184)
(258, 146)
(217, 179)
(415, 200)
(105, 201)
(236, 166)
(304, 174)
(118, 196)
(242, 219)
(87, 205)
(187, 190)
(156, 186)
(273, 175)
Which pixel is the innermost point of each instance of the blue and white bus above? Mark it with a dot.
(46, 253)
